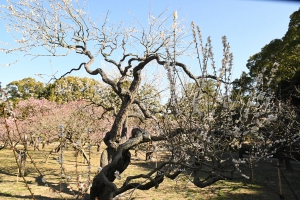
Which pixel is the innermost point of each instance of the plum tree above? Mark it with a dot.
(198, 131)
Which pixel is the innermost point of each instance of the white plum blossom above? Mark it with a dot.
(117, 175)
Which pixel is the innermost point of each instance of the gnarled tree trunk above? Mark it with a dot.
(103, 186)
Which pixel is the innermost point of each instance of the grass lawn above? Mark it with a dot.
(264, 187)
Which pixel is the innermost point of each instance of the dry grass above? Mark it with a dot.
(265, 185)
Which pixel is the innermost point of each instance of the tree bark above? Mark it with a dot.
(103, 186)
(283, 157)
(22, 162)
(99, 188)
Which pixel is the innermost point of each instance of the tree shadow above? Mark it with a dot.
(38, 197)
(27, 196)
(6, 173)
(63, 187)
(264, 186)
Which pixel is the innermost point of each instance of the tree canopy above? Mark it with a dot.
(69, 88)
(283, 52)
(72, 88)
(25, 89)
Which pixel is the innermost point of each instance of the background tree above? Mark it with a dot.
(284, 52)
(287, 89)
(72, 88)
(69, 88)
(25, 89)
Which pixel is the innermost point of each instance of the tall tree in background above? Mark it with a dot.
(72, 88)
(24, 89)
(285, 53)
(69, 88)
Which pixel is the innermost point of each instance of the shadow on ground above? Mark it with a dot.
(265, 185)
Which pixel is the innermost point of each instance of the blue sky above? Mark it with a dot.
(248, 25)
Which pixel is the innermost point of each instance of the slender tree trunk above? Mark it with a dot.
(25, 142)
(282, 158)
(22, 163)
(241, 152)
(288, 165)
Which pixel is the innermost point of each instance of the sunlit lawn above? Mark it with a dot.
(265, 185)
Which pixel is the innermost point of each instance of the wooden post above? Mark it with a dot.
(279, 180)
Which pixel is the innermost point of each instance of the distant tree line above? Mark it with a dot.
(63, 90)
